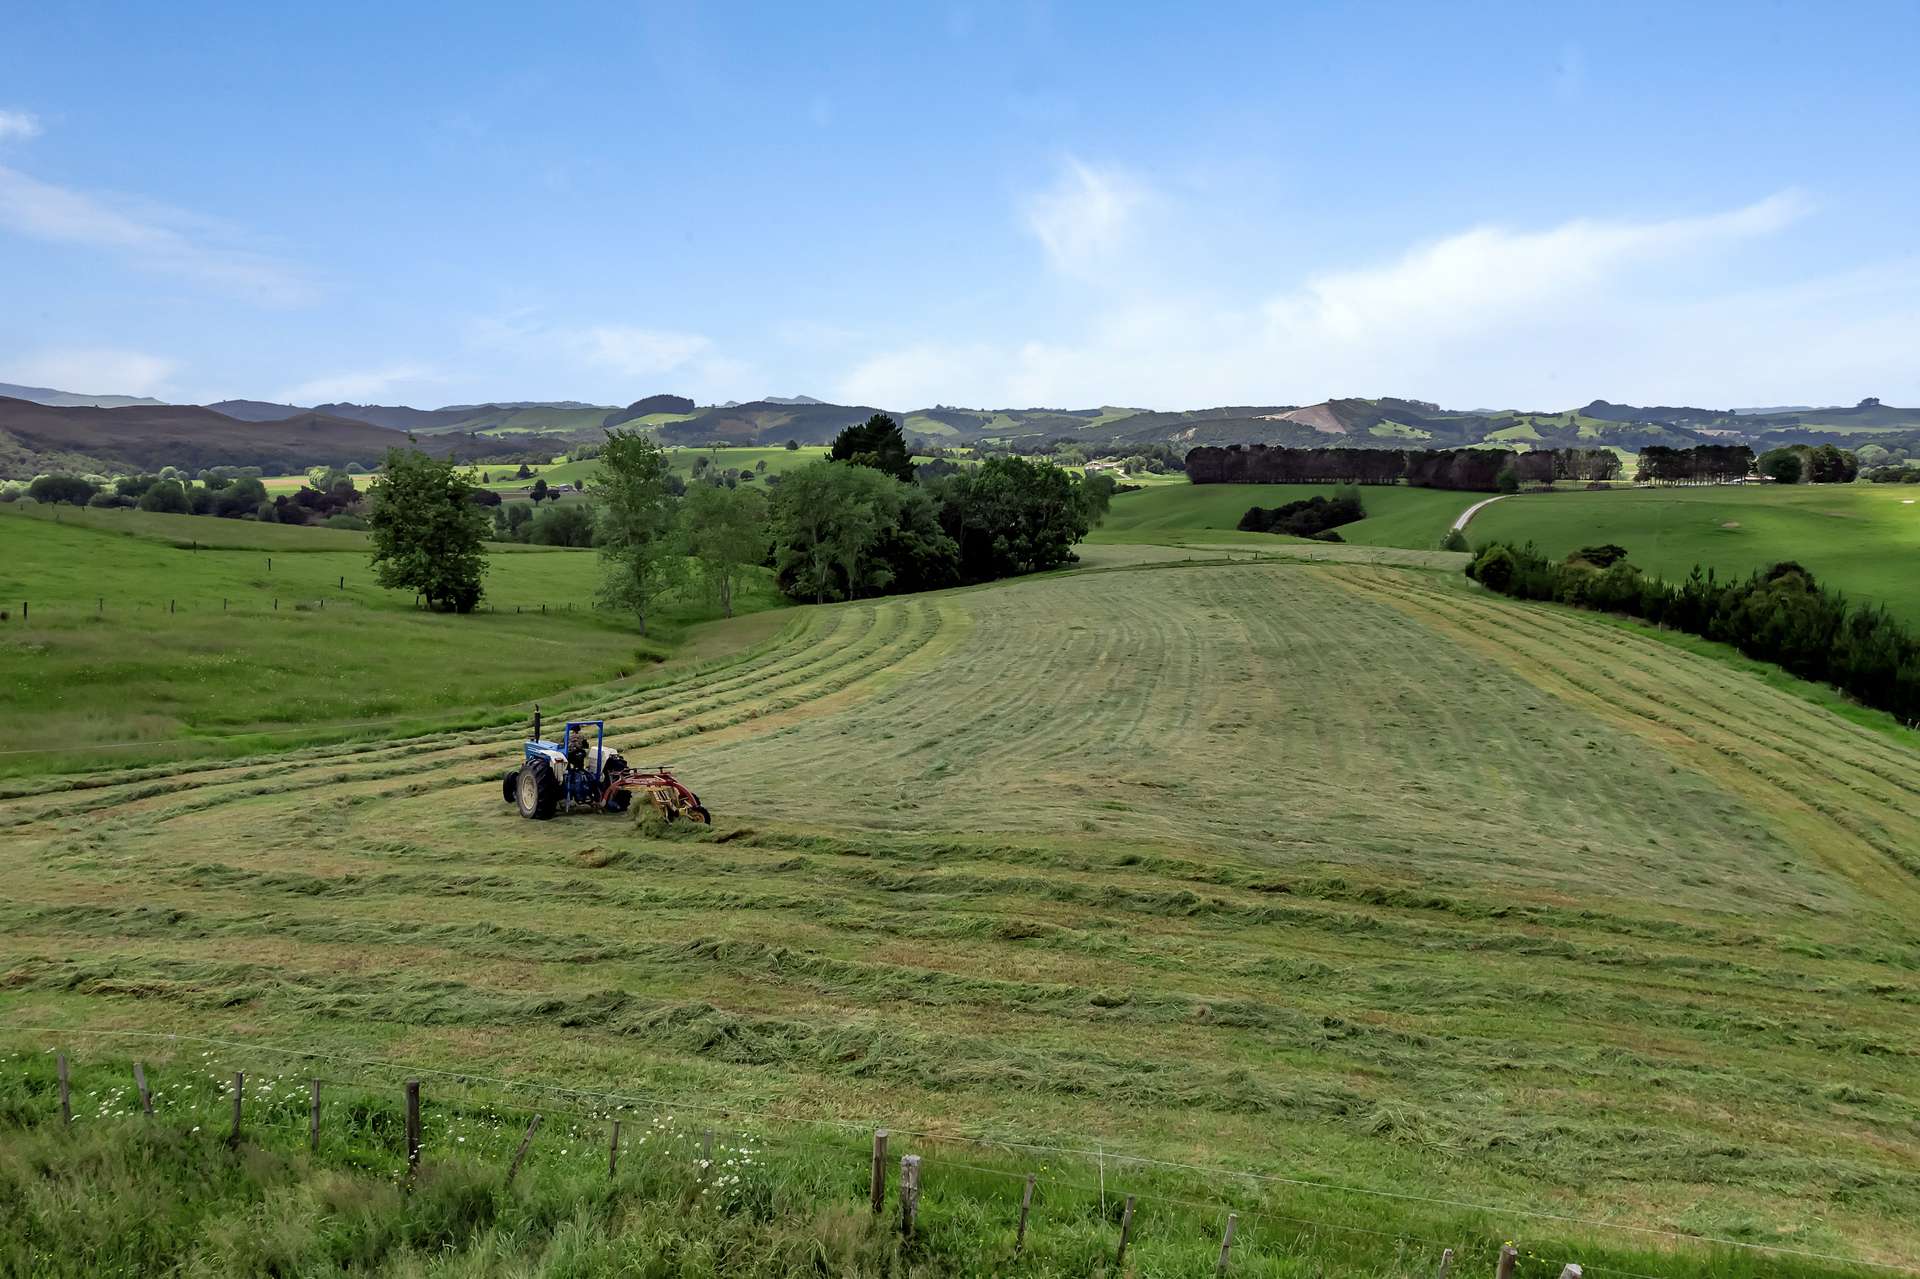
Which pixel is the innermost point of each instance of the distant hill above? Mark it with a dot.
(398, 417)
(257, 410)
(765, 422)
(71, 399)
(39, 437)
(790, 399)
(648, 406)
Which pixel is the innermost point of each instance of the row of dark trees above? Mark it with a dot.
(1701, 464)
(1781, 615)
(1482, 470)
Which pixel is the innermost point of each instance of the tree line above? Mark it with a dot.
(1701, 464)
(1780, 615)
(1478, 469)
(857, 524)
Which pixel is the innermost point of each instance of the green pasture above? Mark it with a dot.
(1178, 513)
(1862, 538)
(129, 634)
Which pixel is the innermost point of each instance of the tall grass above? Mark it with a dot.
(119, 1192)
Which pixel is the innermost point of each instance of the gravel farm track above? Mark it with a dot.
(1334, 868)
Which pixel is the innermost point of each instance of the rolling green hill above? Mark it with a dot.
(1861, 538)
(1354, 883)
(1207, 513)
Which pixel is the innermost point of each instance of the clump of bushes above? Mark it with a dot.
(1780, 615)
(1310, 517)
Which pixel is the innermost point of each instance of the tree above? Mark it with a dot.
(428, 536)
(167, 496)
(1781, 465)
(793, 446)
(876, 443)
(636, 528)
(62, 488)
(1508, 481)
(727, 533)
(1011, 516)
(563, 524)
(524, 473)
(240, 497)
(827, 519)
(539, 492)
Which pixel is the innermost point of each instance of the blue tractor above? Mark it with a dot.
(574, 773)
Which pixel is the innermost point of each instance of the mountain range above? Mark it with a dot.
(43, 429)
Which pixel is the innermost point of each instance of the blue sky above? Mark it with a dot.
(972, 203)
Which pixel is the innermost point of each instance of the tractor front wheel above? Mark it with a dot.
(537, 790)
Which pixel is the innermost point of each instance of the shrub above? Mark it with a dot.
(1309, 517)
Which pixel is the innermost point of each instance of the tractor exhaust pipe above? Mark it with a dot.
(536, 722)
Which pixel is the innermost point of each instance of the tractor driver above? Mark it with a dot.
(577, 748)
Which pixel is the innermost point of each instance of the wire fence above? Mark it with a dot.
(352, 1106)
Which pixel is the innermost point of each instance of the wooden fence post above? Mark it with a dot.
(1026, 1204)
(1226, 1243)
(1446, 1263)
(514, 1167)
(140, 1082)
(1509, 1257)
(909, 1192)
(413, 1125)
(877, 1187)
(239, 1087)
(613, 1151)
(313, 1115)
(1126, 1230)
(60, 1060)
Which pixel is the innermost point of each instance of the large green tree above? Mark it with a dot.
(637, 543)
(827, 519)
(875, 443)
(427, 533)
(726, 530)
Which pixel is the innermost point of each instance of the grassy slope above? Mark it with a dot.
(1176, 513)
(133, 670)
(1863, 538)
(1534, 911)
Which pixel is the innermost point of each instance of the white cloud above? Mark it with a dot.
(18, 124)
(1086, 217)
(91, 371)
(637, 352)
(146, 239)
(357, 386)
(1629, 309)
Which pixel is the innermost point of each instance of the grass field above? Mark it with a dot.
(1182, 513)
(1328, 871)
(129, 635)
(1862, 538)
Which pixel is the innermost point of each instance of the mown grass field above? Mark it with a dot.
(1862, 538)
(1328, 871)
(129, 634)
(1182, 513)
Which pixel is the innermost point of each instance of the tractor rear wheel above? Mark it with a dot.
(537, 790)
(695, 813)
(510, 786)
